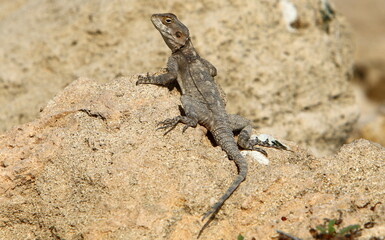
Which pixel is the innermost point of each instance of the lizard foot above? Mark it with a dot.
(144, 79)
(247, 143)
(265, 140)
(171, 123)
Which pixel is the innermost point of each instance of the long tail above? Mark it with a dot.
(226, 141)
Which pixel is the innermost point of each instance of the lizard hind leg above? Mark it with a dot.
(248, 142)
(243, 126)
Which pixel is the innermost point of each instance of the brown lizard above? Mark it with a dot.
(202, 101)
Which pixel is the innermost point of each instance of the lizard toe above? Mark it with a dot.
(168, 124)
(143, 79)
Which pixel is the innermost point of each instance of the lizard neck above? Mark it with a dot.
(189, 51)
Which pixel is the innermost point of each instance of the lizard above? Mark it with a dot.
(202, 102)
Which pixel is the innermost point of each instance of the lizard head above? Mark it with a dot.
(174, 33)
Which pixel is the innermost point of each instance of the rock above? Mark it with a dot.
(94, 167)
(292, 84)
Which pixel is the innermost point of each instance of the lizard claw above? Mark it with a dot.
(185, 128)
(172, 122)
(279, 145)
(143, 79)
(189, 124)
(169, 123)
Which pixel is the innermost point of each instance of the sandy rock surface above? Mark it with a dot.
(293, 84)
(94, 167)
(89, 164)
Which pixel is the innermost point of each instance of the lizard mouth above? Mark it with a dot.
(156, 21)
(154, 17)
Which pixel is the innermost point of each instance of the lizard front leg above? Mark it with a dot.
(163, 79)
(212, 69)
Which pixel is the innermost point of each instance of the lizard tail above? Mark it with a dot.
(231, 148)
(217, 206)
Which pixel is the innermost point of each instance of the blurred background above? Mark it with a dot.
(367, 18)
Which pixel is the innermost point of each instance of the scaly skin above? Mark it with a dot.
(201, 99)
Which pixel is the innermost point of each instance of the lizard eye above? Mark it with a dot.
(167, 20)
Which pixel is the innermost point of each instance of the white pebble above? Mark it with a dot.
(259, 157)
